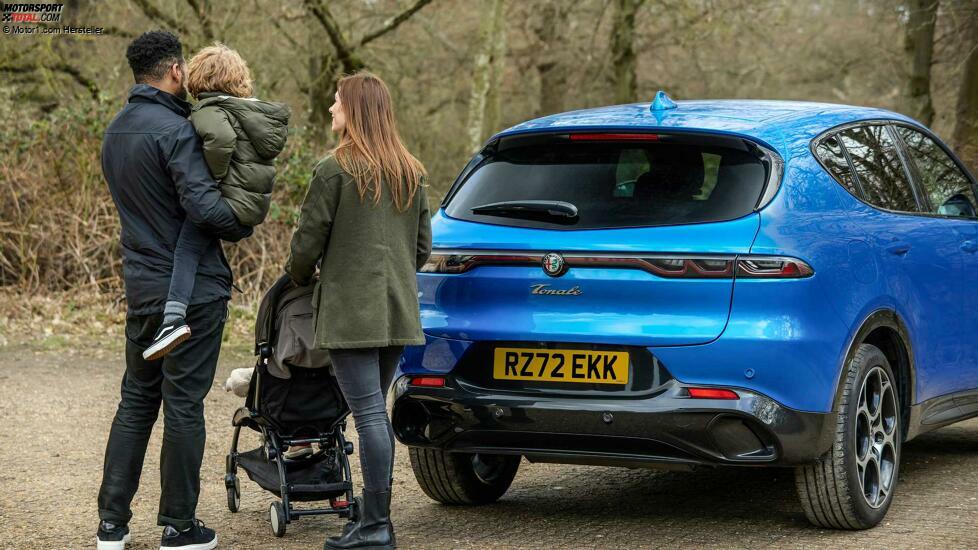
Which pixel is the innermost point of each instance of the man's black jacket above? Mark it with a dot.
(152, 160)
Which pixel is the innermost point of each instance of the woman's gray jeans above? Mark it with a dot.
(364, 376)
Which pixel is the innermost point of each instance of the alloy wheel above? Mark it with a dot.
(875, 426)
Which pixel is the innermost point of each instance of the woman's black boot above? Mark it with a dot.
(373, 531)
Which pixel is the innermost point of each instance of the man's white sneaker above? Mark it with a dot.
(197, 537)
(111, 536)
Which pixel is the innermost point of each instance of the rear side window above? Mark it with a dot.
(829, 152)
(948, 189)
(669, 181)
(877, 163)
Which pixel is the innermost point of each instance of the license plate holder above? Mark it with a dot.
(561, 365)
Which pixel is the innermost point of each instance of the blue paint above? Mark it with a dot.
(786, 339)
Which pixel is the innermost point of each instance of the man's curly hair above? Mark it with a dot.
(152, 53)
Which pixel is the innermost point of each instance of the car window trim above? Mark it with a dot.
(852, 168)
(847, 125)
(916, 174)
(923, 203)
(771, 159)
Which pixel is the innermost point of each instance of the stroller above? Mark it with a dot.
(293, 399)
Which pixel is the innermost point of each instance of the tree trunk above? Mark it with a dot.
(323, 71)
(966, 112)
(494, 102)
(622, 50)
(919, 48)
(553, 78)
(486, 75)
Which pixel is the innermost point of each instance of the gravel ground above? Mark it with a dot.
(56, 407)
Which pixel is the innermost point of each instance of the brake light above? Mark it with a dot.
(427, 381)
(712, 393)
(673, 267)
(773, 268)
(614, 137)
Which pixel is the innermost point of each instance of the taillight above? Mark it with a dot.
(670, 267)
(427, 381)
(446, 263)
(711, 393)
(773, 268)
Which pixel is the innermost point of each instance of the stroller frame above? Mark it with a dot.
(333, 446)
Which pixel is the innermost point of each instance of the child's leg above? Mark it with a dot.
(186, 256)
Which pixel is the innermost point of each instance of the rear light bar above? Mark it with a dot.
(712, 393)
(746, 267)
(427, 381)
(614, 137)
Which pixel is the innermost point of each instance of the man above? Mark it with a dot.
(152, 161)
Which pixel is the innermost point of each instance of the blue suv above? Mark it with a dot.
(756, 283)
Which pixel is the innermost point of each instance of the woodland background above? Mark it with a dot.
(459, 71)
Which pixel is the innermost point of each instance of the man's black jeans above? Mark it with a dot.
(179, 381)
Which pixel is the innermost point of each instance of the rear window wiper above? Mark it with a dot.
(551, 211)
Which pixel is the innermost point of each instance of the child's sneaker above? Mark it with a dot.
(169, 336)
(111, 536)
(198, 537)
(297, 452)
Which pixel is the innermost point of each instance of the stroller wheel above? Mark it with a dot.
(234, 496)
(276, 514)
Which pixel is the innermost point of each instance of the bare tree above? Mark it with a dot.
(919, 48)
(623, 76)
(345, 57)
(965, 136)
(486, 75)
(548, 27)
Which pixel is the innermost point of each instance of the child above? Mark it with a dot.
(241, 137)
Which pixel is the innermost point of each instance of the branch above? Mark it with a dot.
(18, 70)
(392, 23)
(344, 52)
(61, 67)
(203, 14)
(78, 76)
(156, 15)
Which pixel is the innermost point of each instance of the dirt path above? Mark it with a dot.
(55, 411)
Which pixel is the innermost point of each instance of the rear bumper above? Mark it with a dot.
(665, 429)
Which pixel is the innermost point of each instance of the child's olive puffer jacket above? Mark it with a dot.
(242, 137)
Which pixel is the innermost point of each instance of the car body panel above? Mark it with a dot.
(496, 302)
(784, 340)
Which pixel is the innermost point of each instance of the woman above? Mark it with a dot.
(365, 216)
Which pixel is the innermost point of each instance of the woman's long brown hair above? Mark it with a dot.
(370, 148)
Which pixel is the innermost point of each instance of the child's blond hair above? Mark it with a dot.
(218, 68)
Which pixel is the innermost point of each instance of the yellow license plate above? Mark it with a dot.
(561, 365)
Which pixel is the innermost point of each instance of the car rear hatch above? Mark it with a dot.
(613, 239)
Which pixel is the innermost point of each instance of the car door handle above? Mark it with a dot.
(970, 246)
(898, 249)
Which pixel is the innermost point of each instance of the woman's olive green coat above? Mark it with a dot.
(367, 295)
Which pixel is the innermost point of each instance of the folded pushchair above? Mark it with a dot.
(293, 400)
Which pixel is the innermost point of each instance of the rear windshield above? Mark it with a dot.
(672, 180)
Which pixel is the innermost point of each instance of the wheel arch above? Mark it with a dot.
(885, 329)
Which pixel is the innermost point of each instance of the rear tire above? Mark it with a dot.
(463, 478)
(852, 485)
